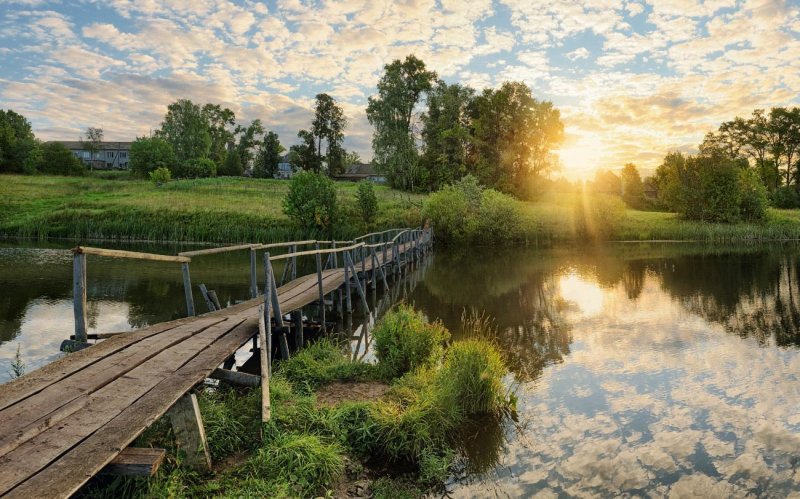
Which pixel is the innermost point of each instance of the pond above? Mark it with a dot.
(639, 369)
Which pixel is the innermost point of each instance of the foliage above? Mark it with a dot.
(187, 130)
(268, 157)
(232, 166)
(160, 176)
(786, 197)
(754, 199)
(446, 133)
(248, 141)
(404, 341)
(632, 187)
(367, 201)
(328, 125)
(197, 168)
(304, 155)
(598, 216)
(91, 141)
(58, 160)
(17, 365)
(606, 182)
(150, 153)
(221, 124)
(231, 420)
(390, 112)
(473, 371)
(319, 364)
(19, 150)
(311, 202)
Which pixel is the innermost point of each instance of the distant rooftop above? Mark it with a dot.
(102, 146)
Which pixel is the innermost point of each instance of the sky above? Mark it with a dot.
(633, 79)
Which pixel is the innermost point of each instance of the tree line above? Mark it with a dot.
(503, 136)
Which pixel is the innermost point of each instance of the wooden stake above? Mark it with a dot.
(263, 330)
(187, 290)
(187, 424)
(79, 295)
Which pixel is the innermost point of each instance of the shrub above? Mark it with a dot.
(197, 168)
(151, 153)
(160, 176)
(311, 202)
(499, 218)
(598, 216)
(58, 160)
(232, 166)
(472, 376)
(367, 201)
(448, 212)
(404, 341)
(753, 199)
(786, 197)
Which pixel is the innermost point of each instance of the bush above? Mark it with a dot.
(404, 341)
(786, 197)
(472, 376)
(753, 199)
(232, 166)
(499, 219)
(197, 168)
(367, 201)
(149, 154)
(598, 216)
(58, 160)
(160, 176)
(311, 202)
(448, 211)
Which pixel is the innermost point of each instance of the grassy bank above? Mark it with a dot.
(321, 442)
(229, 210)
(211, 210)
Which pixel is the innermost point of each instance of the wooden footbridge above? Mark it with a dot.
(74, 418)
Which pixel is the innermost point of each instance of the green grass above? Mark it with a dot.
(208, 210)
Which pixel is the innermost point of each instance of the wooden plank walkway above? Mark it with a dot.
(62, 424)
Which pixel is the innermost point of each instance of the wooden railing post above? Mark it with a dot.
(349, 262)
(187, 290)
(79, 295)
(253, 274)
(270, 283)
(348, 298)
(321, 291)
(264, 329)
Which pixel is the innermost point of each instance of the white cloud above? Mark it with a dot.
(579, 53)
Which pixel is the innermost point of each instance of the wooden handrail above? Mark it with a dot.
(283, 245)
(315, 252)
(85, 250)
(221, 249)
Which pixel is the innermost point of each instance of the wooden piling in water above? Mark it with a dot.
(79, 295)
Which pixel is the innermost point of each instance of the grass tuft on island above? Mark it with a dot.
(400, 445)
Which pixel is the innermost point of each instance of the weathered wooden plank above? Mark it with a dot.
(106, 404)
(235, 377)
(214, 251)
(136, 461)
(190, 435)
(47, 408)
(71, 470)
(85, 250)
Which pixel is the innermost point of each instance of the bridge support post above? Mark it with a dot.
(321, 290)
(270, 283)
(253, 271)
(297, 315)
(187, 290)
(347, 291)
(79, 295)
(187, 424)
(380, 269)
(349, 261)
(264, 332)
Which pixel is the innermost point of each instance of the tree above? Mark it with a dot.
(58, 160)
(248, 140)
(350, 158)
(513, 134)
(186, 128)
(446, 133)
(19, 150)
(632, 186)
(606, 182)
(304, 155)
(91, 142)
(328, 125)
(151, 153)
(390, 112)
(367, 201)
(268, 157)
(784, 140)
(221, 128)
(311, 202)
(232, 166)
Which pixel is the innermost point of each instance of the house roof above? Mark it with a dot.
(365, 169)
(102, 146)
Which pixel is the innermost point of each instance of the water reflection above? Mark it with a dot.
(644, 370)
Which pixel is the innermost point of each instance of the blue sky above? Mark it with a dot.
(633, 79)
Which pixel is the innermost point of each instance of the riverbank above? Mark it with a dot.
(233, 210)
(339, 427)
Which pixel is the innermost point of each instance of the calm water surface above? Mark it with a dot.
(658, 370)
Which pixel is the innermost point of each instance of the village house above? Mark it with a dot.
(361, 171)
(109, 155)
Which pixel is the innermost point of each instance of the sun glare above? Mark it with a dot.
(581, 157)
(587, 296)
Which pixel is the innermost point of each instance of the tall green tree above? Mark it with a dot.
(268, 157)
(632, 186)
(248, 141)
(187, 130)
(151, 153)
(19, 150)
(328, 125)
(390, 112)
(91, 141)
(304, 155)
(513, 135)
(221, 128)
(446, 132)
